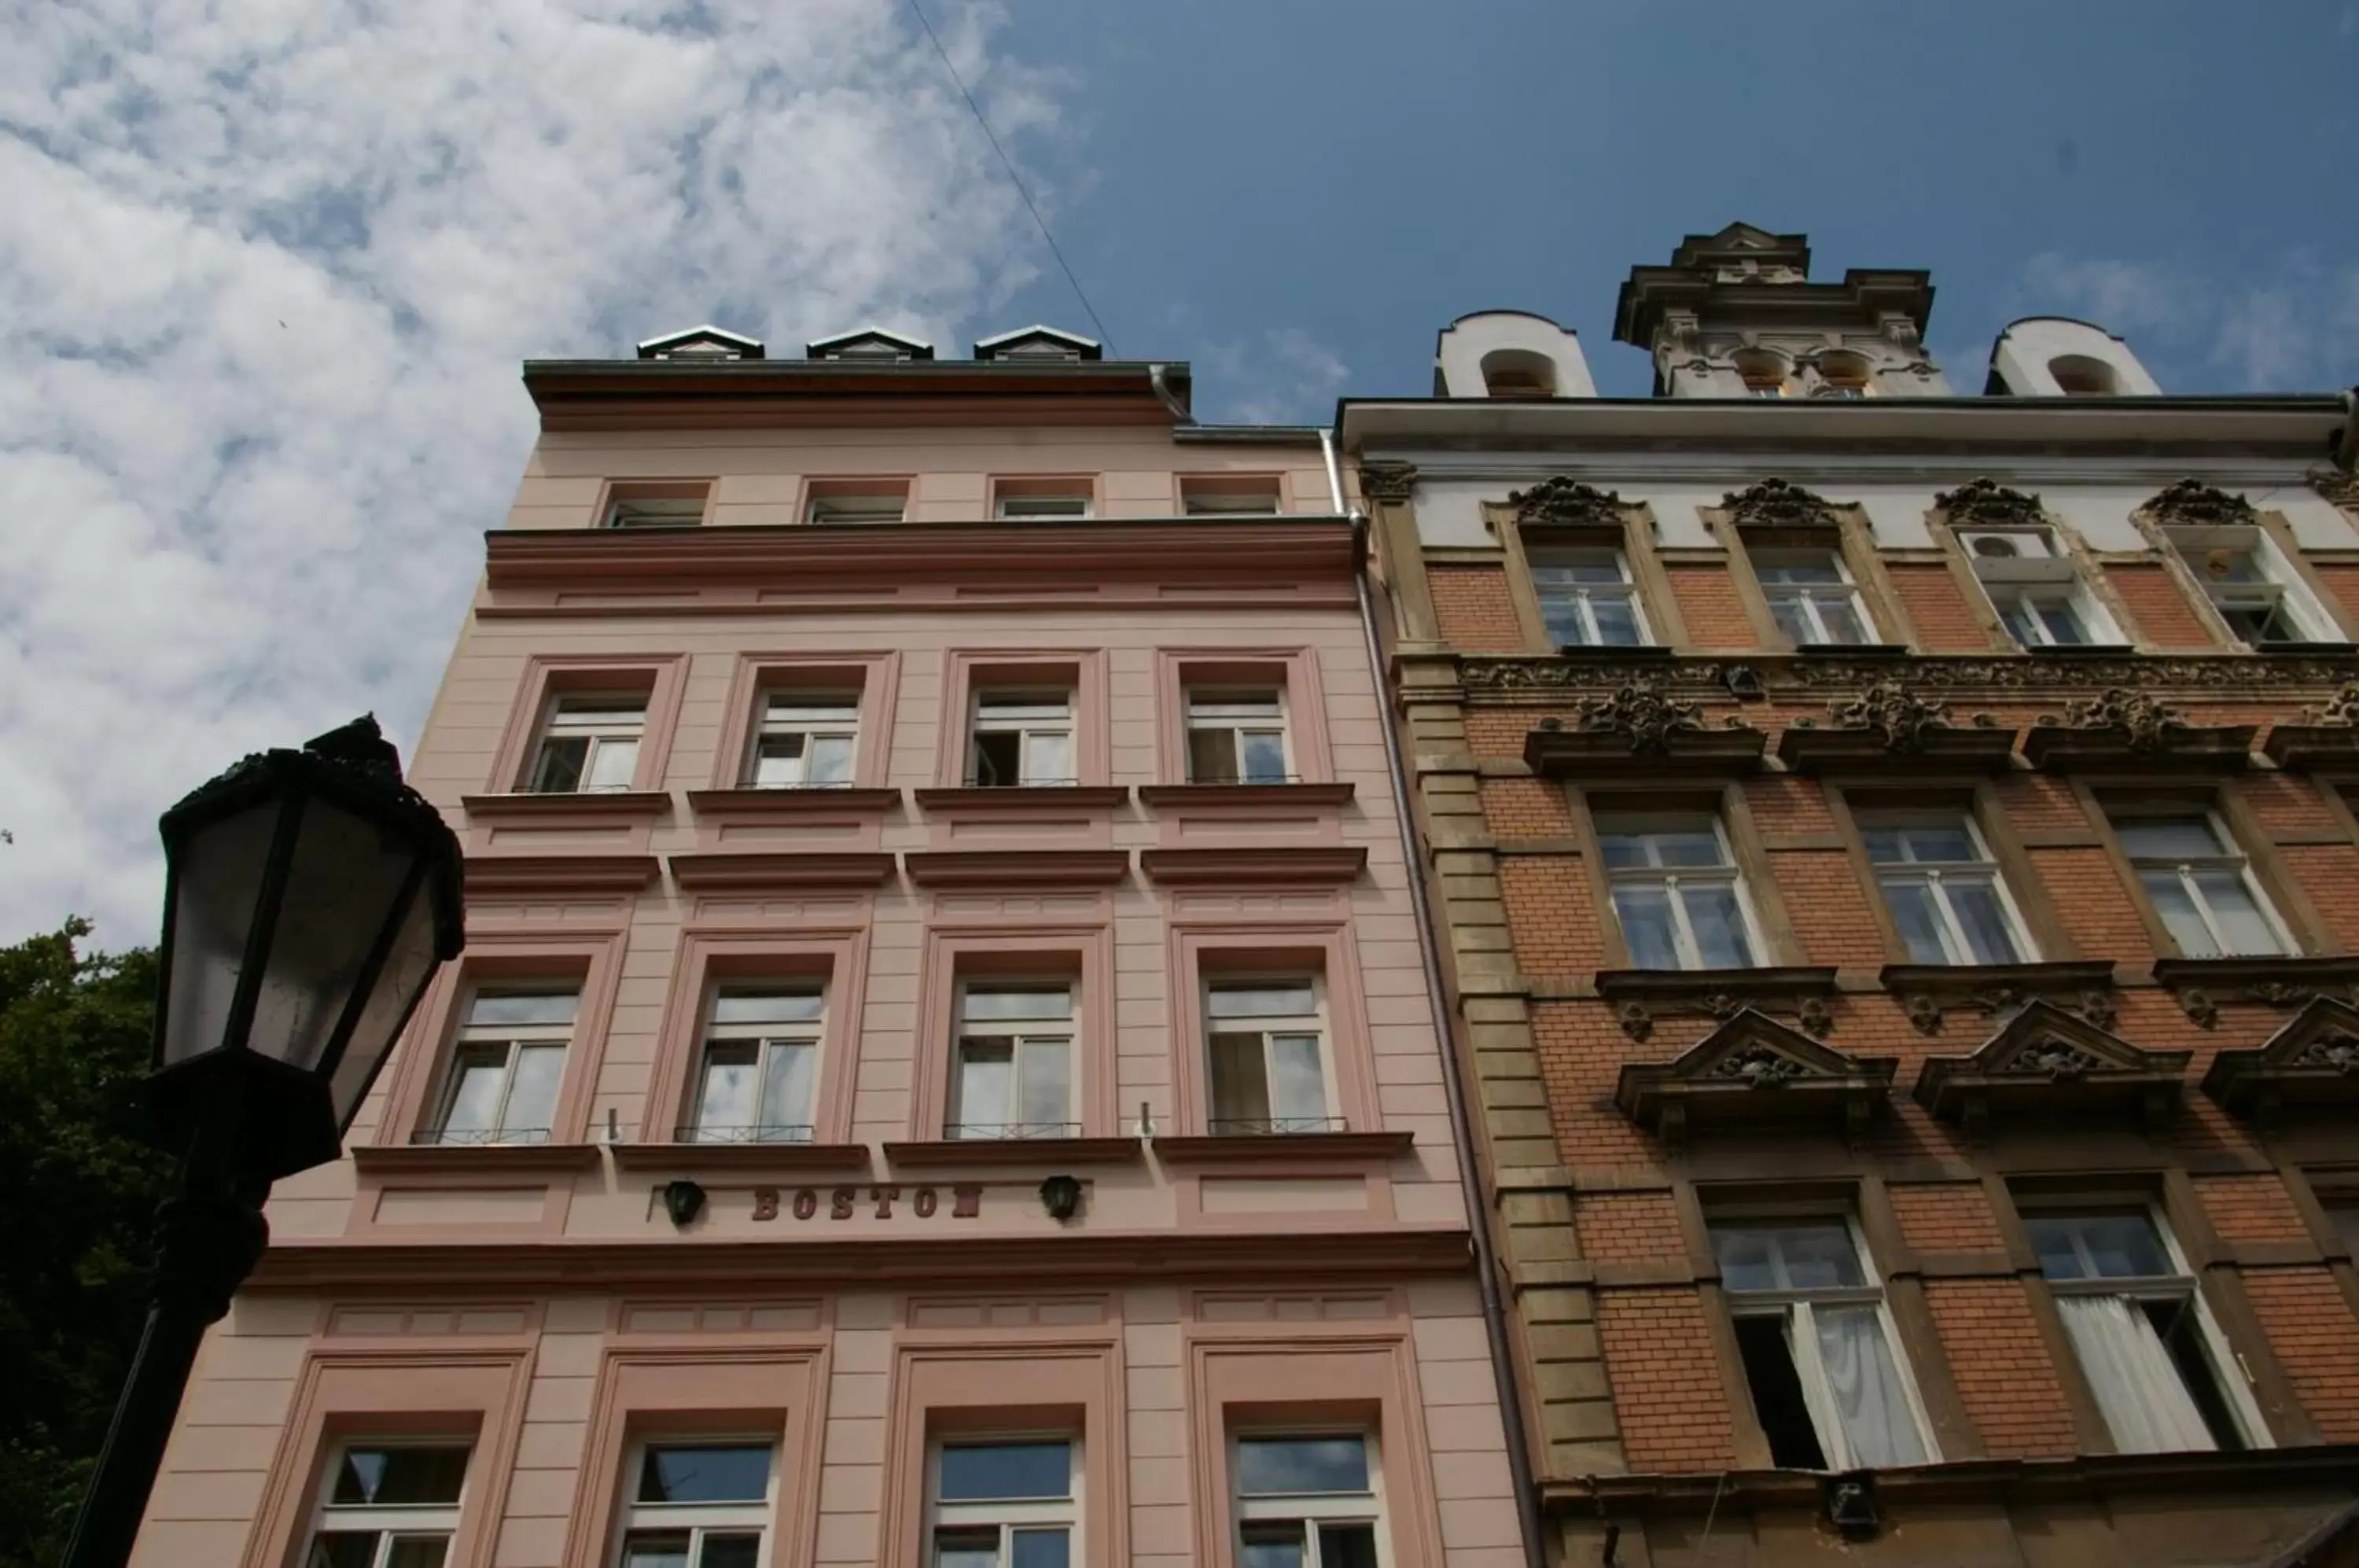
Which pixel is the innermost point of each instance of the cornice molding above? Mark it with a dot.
(509, 874)
(2224, 676)
(1253, 865)
(708, 870)
(1018, 868)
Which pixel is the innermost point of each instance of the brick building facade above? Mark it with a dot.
(1896, 857)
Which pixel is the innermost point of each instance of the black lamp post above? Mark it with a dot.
(308, 898)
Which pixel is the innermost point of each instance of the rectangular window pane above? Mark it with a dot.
(1277, 999)
(1003, 1471)
(1913, 913)
(726, 1098)
(505, 1009)
(1776, 1388)
(1561, 618)
(1211, 756)
(1347, 1546)
(1645, 915)
(1265, 757)
(1039, 1549)
(1786, 610)
(2242, 926)
(343, 1549)
(656, 1549)
(1713, 915)
(2063, 622)
(532, 1103)
(966, 1549)
(558, 770)
(1048, 759)
(1296, 1466)
(1865, 1384)
(1297, 1088)
(831, 759)
(477, 1076)
(613, 764)
(1617, 624)
(429, 1550)
(768, 1007)
(779, 761)
(1272, 1545)
(2175, 905)
(1048, 1094)
(999, 758)
(2168, 838)
(1240, 1084)
(986, 1076)
(1688, 847)
(2108, 1246)
(787, 1087)
(1984, 920)
(980, 1006)
(700, 1473)
(407, 1476)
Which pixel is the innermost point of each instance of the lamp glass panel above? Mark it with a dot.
(410, 964)
(341, 888)
(218, 878)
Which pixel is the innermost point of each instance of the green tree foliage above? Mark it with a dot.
(79, 1186)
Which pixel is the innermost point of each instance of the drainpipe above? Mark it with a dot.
(1470, 1175)
(2347, 453)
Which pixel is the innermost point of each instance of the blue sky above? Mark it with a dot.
(1360, 176)
(266, 272)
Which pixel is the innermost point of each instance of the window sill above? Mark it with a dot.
(2068, 651)
(1018, 868)
(2313, 745)
(2181, 750)
(791, 802)
(609, 803)
(1783, 980)
(1585, 652)
(742, 1156)
(1295, 1148)
(2075, 974)
(785, 868)
(2281, 980)
(1038, 1152)
(1298, 794)
(471, 1159)
(1308, 865)
(1022, 799)
(1935, 750)
(1852, 651)
(1716, 754)
(2303, 650)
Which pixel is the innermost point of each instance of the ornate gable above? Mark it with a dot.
(2189, 504)
(1563, 502)
(1640, 728)
(1891, 728)
(1986, 503)
(2311, 1064)
(1752, 1070)
(1779, 504)
(2135, 731)
(2047, 1061)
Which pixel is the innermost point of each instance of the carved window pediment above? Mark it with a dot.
(1749, 1072)
(1638, 727)
(1986, 503)
(2311, 1064)
(2325, 735)
(1780, 505)
(1891, 728)
(2125, 729)
(2045, 1062)
(2191, 504)
(1563, 502)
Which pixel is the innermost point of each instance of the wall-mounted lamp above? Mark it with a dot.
(683, 1200)
(1062, 1196)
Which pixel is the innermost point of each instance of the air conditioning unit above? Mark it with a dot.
(2006, 544)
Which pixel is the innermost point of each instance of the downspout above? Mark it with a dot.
(2346, 456)
(1470, 1175)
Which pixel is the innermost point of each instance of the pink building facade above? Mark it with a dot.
(941, 1071)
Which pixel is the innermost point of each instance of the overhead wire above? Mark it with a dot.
(1008, 164)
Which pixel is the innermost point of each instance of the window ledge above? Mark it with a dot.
(2073, 975)
(1044, 1153)
(1585, 652)
(2309, 1066)
(1852, 651)
(721, 869)
(2110, 749)
(604, 803)
(2313, 745)
(1018, 867)
(471, 1158)
(1022, 799)
(1298, 794)
(503, 874)
(2305, 649)
(2279, 980)
(791, 802)
(2068, 651)
(1720, 754)
(742, 1158)
(1934, 750)
(1303, 865)
(1793, 979)
(1295, 1147)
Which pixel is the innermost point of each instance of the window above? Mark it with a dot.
(1518, 373)
(389, 1505)
(698, 1505)
(1812, 597)
(2078, 375)
(848, 503)
(2342, 1213)
(1306, 1502)
(2130, 1307)
(1676, 892)
(1267, 1044)
(1587, 599)
(1763, 373)
(2241, 574)
(2201, 886)
(1043, 503)
(1842, 376)
(1944, 891)
(626, 511)
(2034, 587)
(1015, 1076)
(590, 745)
(1023, 737)
(761, 1058)
(1005, 1505)
(806, 740)
(1237, 738)
(506, 1067)
(1817, 1346)
(1216, 498)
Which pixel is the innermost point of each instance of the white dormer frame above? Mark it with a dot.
(1006, 346)
(706, 342)
(838, 346)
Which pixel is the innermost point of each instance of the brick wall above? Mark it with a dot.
(2251, 1208)
(1526, 808)
(1473, 610)
(1943, 622)
(2159, 609)
(2308, 1322)
(1945, 1216)
(1708, 604)
(2004, 1376)
(1550, 914)
(1675, 1414)
(1629, 1228)
(2329, 873)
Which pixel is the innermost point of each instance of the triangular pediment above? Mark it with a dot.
(1038, 343)
(1755, 1051)
(2311, 1063)
(2043, 1041)
(1751, 1069)
(2044, 1058)
(707, 342)
(869, 343)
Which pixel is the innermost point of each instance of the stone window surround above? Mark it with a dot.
(2087, 567)
(1325, 950)
(2046, 930)
(1635, 539)
(631, 488)
(2280, 534)
(967, 671)
(2310, 933)
(661, 676)
(1080, 950)
(1851, 538)
(1293, 672)
(875, 677)
(1782, 945)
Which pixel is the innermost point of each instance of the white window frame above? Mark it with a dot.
(2023, 584)
(1806, 596)
(1670, 877)
(863, 506)
(2228, 1373)
(1067, 506)
(814, 716)
(1581, 597)
(393, 1522)
(1310, 1510)
(1030, 728)
(697, 1519)
(1269, 1028)
(1278, 721)
(514, 1040)
(1940, 875)
(598, 718)
(2230, 858)
(1017, 1034)
(1007, 1515)
(800, 1034)
(1796, 1305)
(655, 511)
(1203, 500)
(2280, 593)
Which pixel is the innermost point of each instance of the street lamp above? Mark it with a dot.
(308, 898)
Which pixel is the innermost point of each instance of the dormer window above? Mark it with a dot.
(2078, 375)
(707, 342)
(1037, 344)
(1842, 376)
(872, 346)
(1518, 373)
(1763, 373)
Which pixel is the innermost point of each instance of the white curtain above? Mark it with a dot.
(1869, 1401)
(2138, 1385)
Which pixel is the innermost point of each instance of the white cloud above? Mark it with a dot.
(1285, 377)
(2294, 328)
(267, 271)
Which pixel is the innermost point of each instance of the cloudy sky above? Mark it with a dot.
(267, 266)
